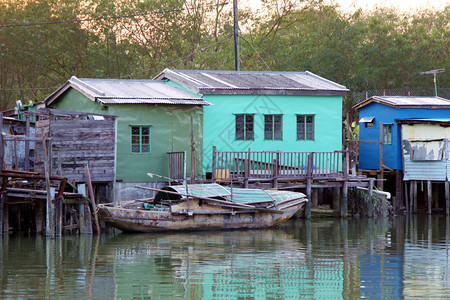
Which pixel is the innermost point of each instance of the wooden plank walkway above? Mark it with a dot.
(289, 170)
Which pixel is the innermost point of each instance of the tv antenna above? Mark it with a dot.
(434, 72)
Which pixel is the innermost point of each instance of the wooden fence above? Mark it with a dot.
(273, 165)
(177, 165)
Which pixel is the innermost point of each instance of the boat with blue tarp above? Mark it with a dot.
(203, 207)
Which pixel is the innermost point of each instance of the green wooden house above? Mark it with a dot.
(265, 111)
(153, 126)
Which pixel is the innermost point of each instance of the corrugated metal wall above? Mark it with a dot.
(425, 152)
(426, 170)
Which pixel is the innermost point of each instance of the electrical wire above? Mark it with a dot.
(110, 17)
(245, 39)
(184, 58)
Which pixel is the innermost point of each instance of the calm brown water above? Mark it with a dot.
(317, 259)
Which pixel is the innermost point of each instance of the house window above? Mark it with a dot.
(387, 134)
(273, 127)
(305, 127)
(244, 127)
(368, 121)
(140, 139)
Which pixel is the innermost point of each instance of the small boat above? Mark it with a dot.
(203, 207)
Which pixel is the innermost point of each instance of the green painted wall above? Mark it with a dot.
(170, 131)
(219, 123)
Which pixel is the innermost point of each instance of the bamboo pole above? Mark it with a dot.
(92, 198)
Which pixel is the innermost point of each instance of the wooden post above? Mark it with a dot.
(370, 205)
(436, 196)
(411, 196)
(49, 225)
(85, 225)
(315, 198)
(429, 196)
(381, 184)
(27, 145)
(398, 190)
(406, 198)
(2, 145)
(344, 202)
(39, 215)
(214, 161)
(447, 197)
(275, 172)
(92, 198)
(2, 152)
(192, 152)
(5, 218)
(309, 184)
(415, 195)
(336, 197)
(16, 155)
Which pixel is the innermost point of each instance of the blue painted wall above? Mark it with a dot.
(369, 153)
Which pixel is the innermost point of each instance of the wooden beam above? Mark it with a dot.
(92, 198)
(447, 197)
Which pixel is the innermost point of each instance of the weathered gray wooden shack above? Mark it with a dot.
(72, 160)
(78, 140)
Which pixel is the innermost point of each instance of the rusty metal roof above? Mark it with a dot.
(128, 91)
(240, 195)
(260, 83)
(407, 101)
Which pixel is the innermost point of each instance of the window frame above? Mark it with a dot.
(271, 135)
(247, 135)
(140, 136)
(305, 129)
(387, 134)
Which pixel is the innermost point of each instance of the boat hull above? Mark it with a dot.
(204, 217)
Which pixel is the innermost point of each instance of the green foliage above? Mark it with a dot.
(139, 38)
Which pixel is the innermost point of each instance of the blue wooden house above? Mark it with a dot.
(385, 110)
(381, 119)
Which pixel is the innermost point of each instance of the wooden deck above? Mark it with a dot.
(289, 170)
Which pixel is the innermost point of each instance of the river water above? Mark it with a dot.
(404, 258)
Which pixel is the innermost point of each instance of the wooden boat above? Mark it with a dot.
(203, 207)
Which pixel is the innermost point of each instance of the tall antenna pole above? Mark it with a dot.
(236, 36)
(434, 72)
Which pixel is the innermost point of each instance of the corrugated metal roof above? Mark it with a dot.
(240, 82)
(407, 101)
(128, 91)
(240, 195)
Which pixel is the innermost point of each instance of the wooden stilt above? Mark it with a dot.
(429, 196)
(370, 205)
(406, 198)
(398, 191)
(336, 196)
(5, 219)
(315, 198)
(415, 195)
(309, 185)
(39, 215)
(58, 215)
(49, 225)
(344, 202)
(1, 214)
(447, 198)
(436, 196)
(85, 225)
(344, 209)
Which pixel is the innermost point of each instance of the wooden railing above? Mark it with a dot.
(270, 165)
(177, 165)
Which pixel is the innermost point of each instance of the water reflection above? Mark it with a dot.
(320, 259)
